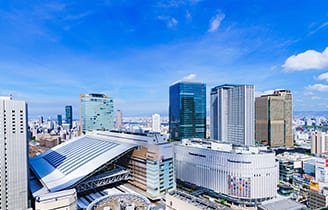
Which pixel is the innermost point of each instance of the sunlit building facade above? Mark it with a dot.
(13, 154)
(187, 111)
(97, 112)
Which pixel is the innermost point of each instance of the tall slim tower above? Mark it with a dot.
(232, 114)
(97, 112)
(40, 119)
(187, 111)
(119, 122)
(59, 119)
(156, 123)
(69, 116)
(13, 154)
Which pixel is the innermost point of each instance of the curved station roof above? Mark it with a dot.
(70, 162)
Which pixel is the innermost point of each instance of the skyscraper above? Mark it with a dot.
(287, 95)
(273, 117)
(13, 154)
(40, 119)
(69, 116)
(187, 110)
(156, 123)
(96, 112)
(232, 114)
(59, 119)
(119, 122)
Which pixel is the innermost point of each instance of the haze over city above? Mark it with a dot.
(134, 50)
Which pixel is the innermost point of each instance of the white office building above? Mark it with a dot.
(232, 114)
(239, 173)
(13, 154)
(156, 123)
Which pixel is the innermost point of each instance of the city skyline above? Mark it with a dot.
(132, 51)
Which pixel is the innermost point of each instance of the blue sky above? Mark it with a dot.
(51, 51)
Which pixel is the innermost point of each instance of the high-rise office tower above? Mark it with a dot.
(69, 116)
(287, 94)
(40, 119)
(156, 123)
(96, 112)
(119, 122)
(274, 117)
(13, 154)
(59, 119)
(232, 114)
(187, 110)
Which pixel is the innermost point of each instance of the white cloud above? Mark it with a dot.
(215, 22)
(309, 93)
(319, 28)
(318, 98)
(172, 22)
(188, 15)
(190, 77)
(310, 59)
(267, 92)
(318, 87)
(323, 76)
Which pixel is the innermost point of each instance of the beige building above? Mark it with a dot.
(49, 141)
(119, 122)
(273, 119)
(62, 200)
(319, 142)
(318, 200)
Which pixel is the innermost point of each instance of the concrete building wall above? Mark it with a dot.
(261, 119)
(233, 114)
(13, 155)
(62, 200)
(174, 203)
(246, 176)
(273, 119)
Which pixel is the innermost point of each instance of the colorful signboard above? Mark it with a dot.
(314, 186)
(239, 186)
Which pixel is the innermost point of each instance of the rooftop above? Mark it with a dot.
(281, 204)
(228, 86)
(223, 146)
(187, 81)
(66, 164)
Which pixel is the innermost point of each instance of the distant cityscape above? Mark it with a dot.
(163, 105)
(250, 152)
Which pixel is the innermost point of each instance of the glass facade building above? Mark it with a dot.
(187, 110)
(59, 119)
(97, 112)
(69, 116)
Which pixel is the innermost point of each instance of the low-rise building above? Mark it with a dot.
(291, 164)
(49, 141)
(281, 204)
(238, 173)
(318, 199)
(62, 200)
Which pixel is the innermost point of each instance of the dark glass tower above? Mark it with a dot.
(69, 116)
(187, 110)
(59, 119)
